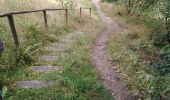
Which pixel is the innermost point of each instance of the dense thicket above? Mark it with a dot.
(153, 8)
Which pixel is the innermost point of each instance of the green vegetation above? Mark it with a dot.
(78, 80)
(32, 34)
(143, 51)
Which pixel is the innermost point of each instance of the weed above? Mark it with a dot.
(138, 50)
(32, 35)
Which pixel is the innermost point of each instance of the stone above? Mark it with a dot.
(46, 68)
(115, 68)
(148, 76)
(118, 71)
(49, 58)
(33, 84)
(52, 48)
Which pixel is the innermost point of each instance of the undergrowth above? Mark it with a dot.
(142, 53)
(78, 80)
(32, 33)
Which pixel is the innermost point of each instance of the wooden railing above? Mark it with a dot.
(81, 8)
(10, 15)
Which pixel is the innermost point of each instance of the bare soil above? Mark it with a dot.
(107, 70)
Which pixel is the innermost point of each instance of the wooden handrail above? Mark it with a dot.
(54, 9)
(9, 15)
(84, 8)
(26, 11)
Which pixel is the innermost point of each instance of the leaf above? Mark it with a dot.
(32, 48)
(4, 91)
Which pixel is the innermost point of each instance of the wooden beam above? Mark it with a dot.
(45, 18)
(13, 29)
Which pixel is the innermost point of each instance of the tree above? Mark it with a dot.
(167, 16)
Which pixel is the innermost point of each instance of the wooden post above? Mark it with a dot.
(13, 29)
(66, 16)
(80, 11)
(90, 12)
(45, 18)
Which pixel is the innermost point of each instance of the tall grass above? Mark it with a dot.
(135, 52)
(78, 80)
(31, 31)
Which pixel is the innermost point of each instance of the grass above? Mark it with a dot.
(134, 52)
(32, 33)
(78, 80)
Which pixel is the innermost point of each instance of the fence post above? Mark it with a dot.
(80, 11)
(66, 16)
(45, 17)
(13, 29)
(90, 12)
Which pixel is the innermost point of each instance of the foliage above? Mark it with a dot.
(145, 49)
(67, 4)
(4, 91)
(77, 80)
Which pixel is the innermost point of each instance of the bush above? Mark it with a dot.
(159, 39)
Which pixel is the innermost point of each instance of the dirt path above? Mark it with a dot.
(102, 61)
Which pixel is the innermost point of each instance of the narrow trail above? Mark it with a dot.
(102, 61)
